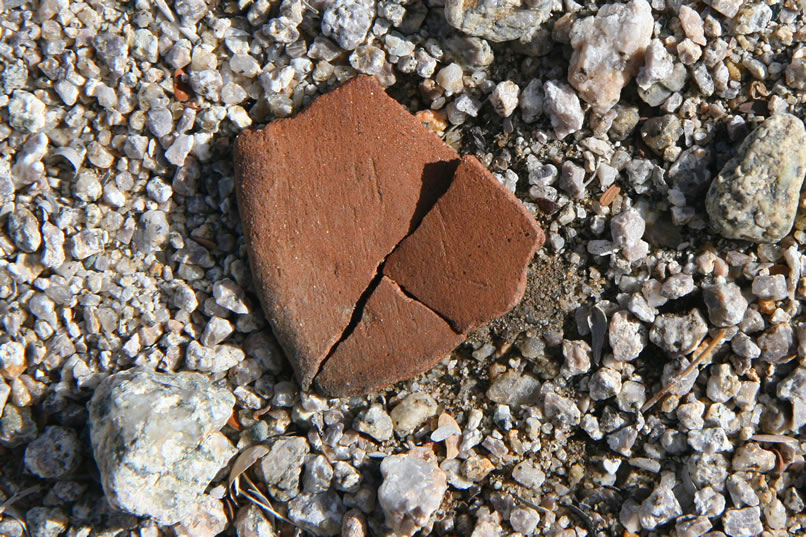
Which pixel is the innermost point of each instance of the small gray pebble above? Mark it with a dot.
(54, 453)
(23, 227)
(46, 521)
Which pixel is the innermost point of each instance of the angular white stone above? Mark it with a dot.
(156, 442)
(412, 490)
(562, 106)
(608, 50)
(496, 20)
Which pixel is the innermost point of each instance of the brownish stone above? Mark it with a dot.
(324, 197)
(468, 259)
(396, 338)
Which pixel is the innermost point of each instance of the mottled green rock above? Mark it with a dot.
(755, 196)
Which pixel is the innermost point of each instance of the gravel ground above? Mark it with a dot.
(651, 382)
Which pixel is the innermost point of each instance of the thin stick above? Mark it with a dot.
(7, 507)
(774, 438)
(706, 353)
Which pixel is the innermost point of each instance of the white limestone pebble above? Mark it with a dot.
(159, 121)
(572, 179)
(497, 21)
(793, 389)
(605, 383)
(244, 65)
(281, 467)
(627, 228)
(67, 92)
(449, 78)
(230, 295)
(562, 106)
(504, 98)
(320, 514)
(531, 101)
(692, 526)
(514, 389)
(348, 21)
(627, 336)
(26, 113)
(729, 8)
(145, 45)
(317, 474)
(752, 18)
(708, 502)
(623, 440)
(179, 150)
(212, 359)
(191, 11)
(42, 307)
(87, 187)
(661, 506)
(375, 422)
(742, 522)
(237, 114)
(12, 359)
(159, 191)
(412, 412)
(577, 354)
(770, 287)
(688, 52)
(529, 475)
(17, 426)
(709, 440)
(524, 520)
(23, 227)
(775, 514)
(28, 167)
(608, 51)
(208, 519)
(740, 491)
(561, 410)
(152, 231)
(135, 147)
(658, 65)
(368, 59)
(412, 490)
(692, 25)
(87, 242)
(677, 286)
(113, 50)
(139, 421)
(184, 297)
(777, 343)
(796, 70)
(207, 83)
(678, 333)
(216, 331)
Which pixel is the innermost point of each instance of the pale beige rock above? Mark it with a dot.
(496, 20)
(608, 51)
(692, 25)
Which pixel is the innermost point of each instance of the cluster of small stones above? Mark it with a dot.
(120, 247)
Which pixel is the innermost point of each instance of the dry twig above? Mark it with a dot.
(706, 353)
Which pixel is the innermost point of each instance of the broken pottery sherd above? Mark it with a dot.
(327, 196)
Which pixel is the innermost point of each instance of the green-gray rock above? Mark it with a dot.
(755, 196)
